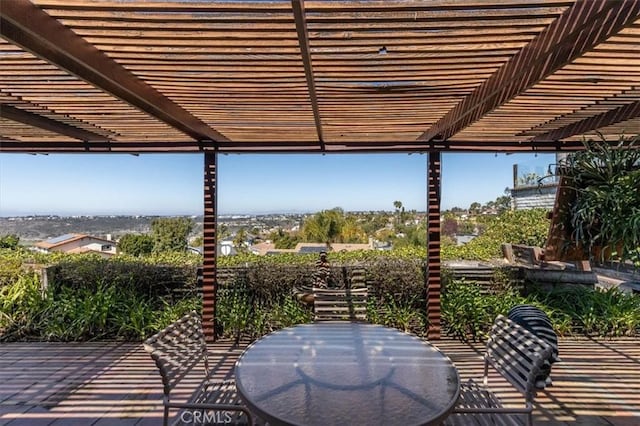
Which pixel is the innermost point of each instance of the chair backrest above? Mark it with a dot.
(177, 349)
(357, 278)
(517, 354)
(340, 304)
(538, 322)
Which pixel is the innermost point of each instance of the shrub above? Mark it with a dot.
(468, 313)
(592, 311)
(22, 307)
(11, 266)
(528, 227)
(406, 314)
(139, 276)
(92, 298)
(135, 245)
(9, 241)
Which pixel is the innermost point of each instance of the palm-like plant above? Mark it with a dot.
(606, 213)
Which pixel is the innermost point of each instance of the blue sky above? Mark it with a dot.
(159, 184)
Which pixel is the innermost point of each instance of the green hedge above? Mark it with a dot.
(124, 298)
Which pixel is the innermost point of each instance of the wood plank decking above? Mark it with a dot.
(597, 382)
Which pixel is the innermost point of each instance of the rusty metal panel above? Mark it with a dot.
(209, 280)
(433, 246)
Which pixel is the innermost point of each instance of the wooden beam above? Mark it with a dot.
(35, 120)
(617, 115)
(305, 52)
(267, 147)
(28, 26)
(210, 252)
(582, 27)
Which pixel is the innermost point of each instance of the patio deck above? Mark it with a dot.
(597, 382)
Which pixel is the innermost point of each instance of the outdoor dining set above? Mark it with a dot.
(347, 372)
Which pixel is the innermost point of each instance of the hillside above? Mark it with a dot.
(35, 228)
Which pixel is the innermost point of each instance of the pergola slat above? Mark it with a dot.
(28, 26)
(583, 26)
(622, 113)
(31, 119)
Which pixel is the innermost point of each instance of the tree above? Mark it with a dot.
(503, 203)
(324, 227)
(223, 232)
(135, 245)
(240, 241)
(466, 228)
(413, 236)
(352, 232)
(449, 226)
(399, 212)
(282, 239)
(171, 234)
(373, 222)
(475, 208)
(9, 241)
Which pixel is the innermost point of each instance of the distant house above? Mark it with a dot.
(77, 243)
(538, 197)
(533, 187)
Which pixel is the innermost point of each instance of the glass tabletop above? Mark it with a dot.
(346, 373)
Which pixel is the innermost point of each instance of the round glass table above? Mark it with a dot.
(346, 374)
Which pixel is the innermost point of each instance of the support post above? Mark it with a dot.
(209, 280)
(433, 246)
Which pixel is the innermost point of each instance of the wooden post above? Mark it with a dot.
(507, 252)
(433, 246)
(209, 280)
(44, 280)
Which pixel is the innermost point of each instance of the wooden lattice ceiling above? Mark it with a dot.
(311, 76)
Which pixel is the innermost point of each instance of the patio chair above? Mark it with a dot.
(177, 350)
(518, 355)
(330, 304)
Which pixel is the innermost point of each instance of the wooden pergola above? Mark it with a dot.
(211, 77)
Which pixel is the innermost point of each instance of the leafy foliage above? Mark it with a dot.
(142, 277)
(605, 217)
(403, 313)
(284, 240)
(129, 298)
(528, 227)
(100, 311)
(468, 313)
(92, 298)
(171, 233)
(135, 245)
(10, 265)
(592, 311)
(333, 226)
(9, 241)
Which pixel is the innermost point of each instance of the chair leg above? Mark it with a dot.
(165, 420)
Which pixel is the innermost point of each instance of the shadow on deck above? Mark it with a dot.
(597, 382)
